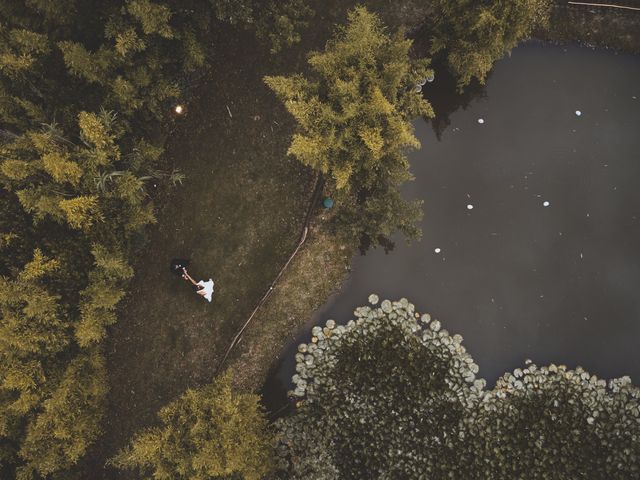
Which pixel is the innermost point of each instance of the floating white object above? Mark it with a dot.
(469, 207)
(179, 109)
(578, 113)
(437, 250)
(546, 204)
(481, 121)
(418, 88)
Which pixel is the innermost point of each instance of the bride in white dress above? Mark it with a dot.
(204, 289)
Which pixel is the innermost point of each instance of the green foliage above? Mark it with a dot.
(393, 395)
(476, 34)
(106, 288)
(211, 432)
(31, 320)
(59, 436)
(21, 51)
(354, 115)
(92, 67)
(387, 393)
(154, 18)
(85, 87)
(281, 22)
(561, 423)
(278, 22)
(34, 330)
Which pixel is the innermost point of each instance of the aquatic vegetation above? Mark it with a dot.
(392, 394)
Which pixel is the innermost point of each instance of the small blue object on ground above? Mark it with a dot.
(327, 202)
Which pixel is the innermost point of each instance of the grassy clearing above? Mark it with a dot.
(316, 272)
(238, 217)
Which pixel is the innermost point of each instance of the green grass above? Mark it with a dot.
(315, 273)
(238, 217)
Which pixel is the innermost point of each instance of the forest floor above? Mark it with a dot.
(238, 217)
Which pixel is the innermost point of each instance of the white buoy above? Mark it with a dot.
(481, 121)
(437, 250)
(546, 204)
(179, 109)
(578, 113)
(469, 207)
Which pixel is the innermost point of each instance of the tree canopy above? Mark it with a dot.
(354, 115)
(475, 34)
(211, 432)
(392, 394)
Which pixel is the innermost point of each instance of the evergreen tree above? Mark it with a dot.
(477, 33)
(211, 432)
(70, 421)
(31, 320)
(106, 288)
(354, 116)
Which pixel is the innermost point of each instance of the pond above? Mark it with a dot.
(531, 229)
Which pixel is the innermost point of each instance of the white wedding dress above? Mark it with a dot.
(208, 288)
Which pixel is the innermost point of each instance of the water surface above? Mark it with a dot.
(517, 277)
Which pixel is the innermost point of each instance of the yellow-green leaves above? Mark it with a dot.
(59, 436)
(21, 50)
(476, 34)
(211, 432)
(92, 66)
(38, 267)
(354, 116)
(128, 41)
(372, 138)
(81, 212)
(16, 169)
(344, 131)
(62, 169)
(153, 17)
(96, 133)
(107, 281)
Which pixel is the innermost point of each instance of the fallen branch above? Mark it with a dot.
(608, 5)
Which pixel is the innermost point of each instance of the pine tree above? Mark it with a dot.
(354, 116)
(106, 288)
(59, 436)
(31, 319)
(476, 34)
(211, 432)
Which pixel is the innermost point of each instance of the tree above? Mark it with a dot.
(31, 320)
(211, 432)
(391, 396)
(354, 115)
(59, 436)
(476, 34)
(106, 288)
(34, 330)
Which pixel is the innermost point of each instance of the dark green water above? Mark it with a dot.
(518, 278)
